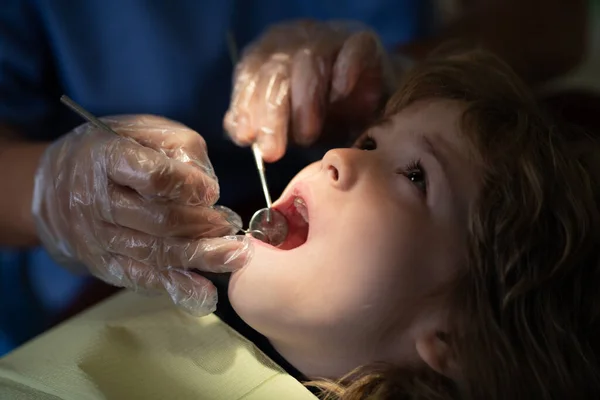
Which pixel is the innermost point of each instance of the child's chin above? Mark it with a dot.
(265, 257)
(244, 296)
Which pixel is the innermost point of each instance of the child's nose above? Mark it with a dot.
(337, 164)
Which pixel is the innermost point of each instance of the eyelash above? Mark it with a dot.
(409, 170)
(363, 140)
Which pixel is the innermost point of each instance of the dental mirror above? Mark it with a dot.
(269, 226)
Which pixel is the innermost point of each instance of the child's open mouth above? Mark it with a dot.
(294, 209)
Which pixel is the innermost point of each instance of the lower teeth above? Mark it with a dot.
(301, 208)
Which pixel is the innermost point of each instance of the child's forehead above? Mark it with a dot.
(428, 118)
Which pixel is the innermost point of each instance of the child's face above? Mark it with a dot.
(386, 229)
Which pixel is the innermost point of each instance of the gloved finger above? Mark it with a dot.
(123, 271)
(359, 52)
(259, 111)
(172, 138)
(153, 174)
(311, 74)
(164, 219)
(192, 292)
(211, 255)
(231, 216)
(237, 118)
(270, 110)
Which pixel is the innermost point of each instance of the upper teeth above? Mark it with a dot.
(301, 208)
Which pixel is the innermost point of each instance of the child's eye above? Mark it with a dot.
(416, 174)
(367, 142)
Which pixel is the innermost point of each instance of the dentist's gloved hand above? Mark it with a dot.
(302, 78)
(135, 209)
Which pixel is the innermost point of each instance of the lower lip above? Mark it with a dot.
(258, 242)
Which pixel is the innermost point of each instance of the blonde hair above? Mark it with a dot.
(526, 310)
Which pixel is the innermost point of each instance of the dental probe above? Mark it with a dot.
(85, 114)
(267, 225)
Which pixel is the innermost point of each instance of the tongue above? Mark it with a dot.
(297, 232)
(293, 241)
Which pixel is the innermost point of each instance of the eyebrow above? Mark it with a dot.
(382, 122)
(428, 146)
(422, 139)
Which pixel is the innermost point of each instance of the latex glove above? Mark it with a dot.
(298, 76)
(135, 209)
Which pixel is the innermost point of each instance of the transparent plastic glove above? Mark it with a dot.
(135, 209)
(301, 75)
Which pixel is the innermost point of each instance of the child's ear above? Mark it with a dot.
(434, 349)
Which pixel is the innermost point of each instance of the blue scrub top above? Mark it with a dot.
(146, 56)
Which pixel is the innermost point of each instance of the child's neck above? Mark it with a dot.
(320, 361)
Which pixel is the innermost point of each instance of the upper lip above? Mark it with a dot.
(288, 199)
